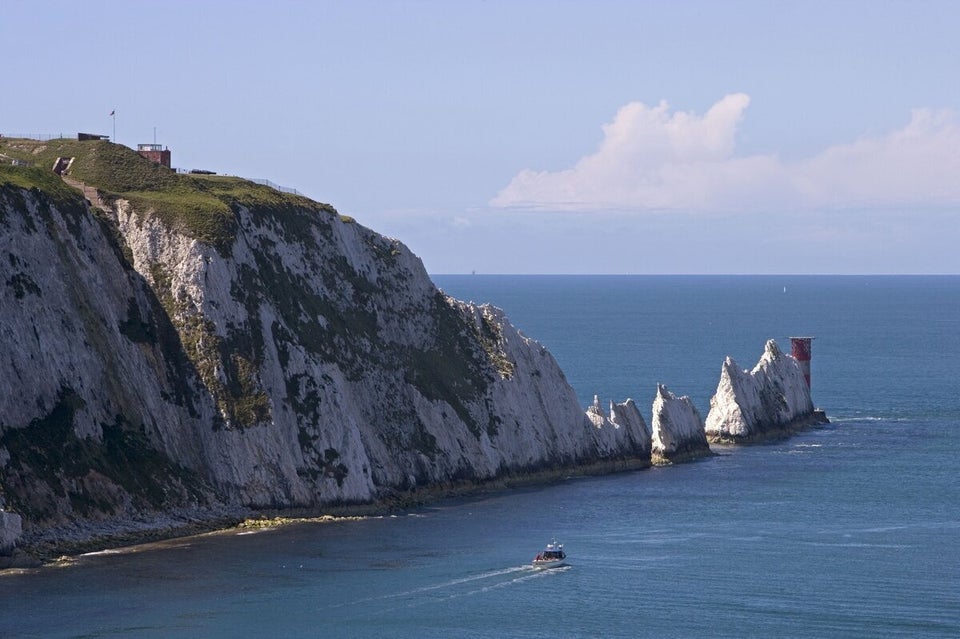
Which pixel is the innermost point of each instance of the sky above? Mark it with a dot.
(528, 136)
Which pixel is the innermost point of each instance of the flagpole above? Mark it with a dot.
(113, 114)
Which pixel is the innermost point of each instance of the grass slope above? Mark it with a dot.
(197, 205)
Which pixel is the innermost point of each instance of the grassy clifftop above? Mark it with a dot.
(36, 178)
(198, 205)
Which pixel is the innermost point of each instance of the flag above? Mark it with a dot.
(112, 112)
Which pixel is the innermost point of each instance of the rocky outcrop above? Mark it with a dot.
(770, 400)
(622, 427)
(678, 433)
(302, 362)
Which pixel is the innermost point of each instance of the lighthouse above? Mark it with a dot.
(800, 349)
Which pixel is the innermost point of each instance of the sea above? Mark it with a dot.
(851, 529)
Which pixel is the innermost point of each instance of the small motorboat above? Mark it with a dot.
(551, 556)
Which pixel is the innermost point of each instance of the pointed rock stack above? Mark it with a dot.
(768, 401)
(678, 433)
(622, 427)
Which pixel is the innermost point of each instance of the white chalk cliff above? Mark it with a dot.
(770, 399)
(678, 432)
(10, 530)
(305, 361)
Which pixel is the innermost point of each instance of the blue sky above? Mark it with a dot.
(540, 137)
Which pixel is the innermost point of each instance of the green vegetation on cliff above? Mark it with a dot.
(29, 177)
(197, 205)
(54, 466)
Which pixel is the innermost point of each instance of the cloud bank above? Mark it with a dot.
(652, 159)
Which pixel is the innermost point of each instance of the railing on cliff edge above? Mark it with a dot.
(277, 187)
(272, 185)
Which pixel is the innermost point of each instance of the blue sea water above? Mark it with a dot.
(849, 530)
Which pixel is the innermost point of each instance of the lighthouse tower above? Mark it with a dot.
(800, 349)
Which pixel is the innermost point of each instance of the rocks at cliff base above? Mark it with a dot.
(678, 433)
(771, 399)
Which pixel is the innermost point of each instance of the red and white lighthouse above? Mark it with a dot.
(800, 349)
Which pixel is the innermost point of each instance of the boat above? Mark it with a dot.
(551, 556)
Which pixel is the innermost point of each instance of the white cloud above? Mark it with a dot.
(652, 159)
(916, 165)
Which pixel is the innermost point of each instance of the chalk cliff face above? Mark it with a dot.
(771, 398)
(307, 361)
(678, 432)
(10, 530)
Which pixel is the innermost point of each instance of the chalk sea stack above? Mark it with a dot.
(678, 433)
(624, 421)
(771, 400)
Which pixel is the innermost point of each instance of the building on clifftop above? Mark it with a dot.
(155, 153)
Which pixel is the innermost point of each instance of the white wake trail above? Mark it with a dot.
(452, 583)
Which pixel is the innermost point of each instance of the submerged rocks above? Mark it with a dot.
(771, 399)
(678, 432)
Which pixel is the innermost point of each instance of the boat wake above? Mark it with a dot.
(527, 574)
(853, 419)
(465, 586)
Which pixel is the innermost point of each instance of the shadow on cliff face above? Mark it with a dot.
(53, 475)
(50, 474)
